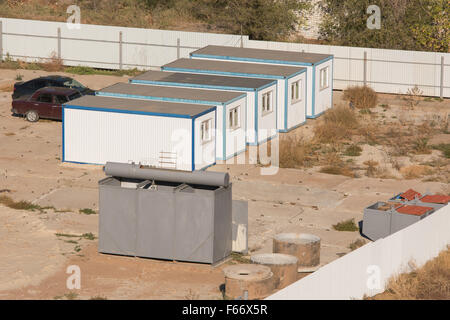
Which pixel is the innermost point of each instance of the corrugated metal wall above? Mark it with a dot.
(94, 137)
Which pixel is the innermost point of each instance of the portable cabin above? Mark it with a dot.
(231, 109)
(290, 109)
(319, 76)
(253, 87)
(159, 134)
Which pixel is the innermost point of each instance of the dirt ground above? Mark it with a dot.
(36, 247)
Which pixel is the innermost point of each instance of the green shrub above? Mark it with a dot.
(347, 225)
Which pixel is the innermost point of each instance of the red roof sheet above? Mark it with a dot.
(414, 210)
(436, 199)
(410, 194)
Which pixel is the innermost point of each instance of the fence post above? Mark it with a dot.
(365, 68)
(59, 43)
(120, 51)
(178, 48)
(1, 41)
(442, 78)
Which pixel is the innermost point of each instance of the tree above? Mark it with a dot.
(405, 24)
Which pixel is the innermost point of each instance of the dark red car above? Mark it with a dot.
(44, 103)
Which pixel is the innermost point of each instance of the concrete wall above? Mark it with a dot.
(355, 274)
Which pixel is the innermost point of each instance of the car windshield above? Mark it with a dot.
(74, 84)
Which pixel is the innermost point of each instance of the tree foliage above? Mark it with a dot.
(405, 24)
(260, 19)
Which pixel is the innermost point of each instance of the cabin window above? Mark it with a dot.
(205, 130)
(234, 118)
(324, 78)
(267, 103)
(296, 88)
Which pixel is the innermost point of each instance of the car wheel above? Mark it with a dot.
(32, 116)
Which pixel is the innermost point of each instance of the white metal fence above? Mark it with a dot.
(102, 46)
(366, 270)
(390, 71)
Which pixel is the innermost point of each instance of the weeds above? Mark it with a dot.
(239, 258)
(444, 148)
(338, 124)
(432, 281)
(19, 77)
(361, 97)
(413, 97)
(356, 244)
(347, 225)
(353, 151)
(295, 152)
(21, 205)
(87, 211)
(338, 170)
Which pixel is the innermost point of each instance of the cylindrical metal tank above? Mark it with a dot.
(283, 266)
(253, 278)
(306, 247)
(137, 171)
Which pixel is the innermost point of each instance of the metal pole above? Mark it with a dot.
(442, 78)
(365, 68)
(178, 48)
(120, 50)
(1, 41)
(59, 43)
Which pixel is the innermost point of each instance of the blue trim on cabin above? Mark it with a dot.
(324, 60)
(77, 162)
(232, 58)
(205, 112)
(332, 84)
(209, 165)
(263, 141)
(207, 56)
(233, 155)
(313, 100)
(239, 74)
(170, 115)
(286, 94)
(316, 116)
(256, 116)
(63, 136)
(154, 98)
(292, 128)
(190, 85)
(224, 131)
(193, 145)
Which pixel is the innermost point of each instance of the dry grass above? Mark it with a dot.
(296, 152)
(338, 124)
(430, 282)
(53, 64)
(347, 225)
(356, 244)
(361, 97)
(416, 171)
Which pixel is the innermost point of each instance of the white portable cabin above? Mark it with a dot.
(289, 113)
(253, 87)
(161, 134)
(231, 107)
(319, 76)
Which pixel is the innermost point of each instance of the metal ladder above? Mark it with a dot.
(167, 160)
